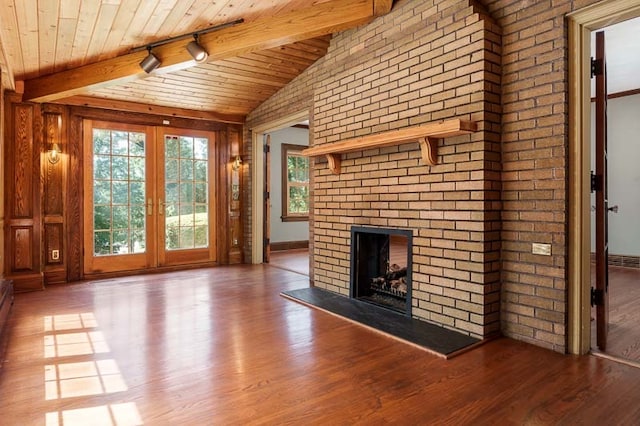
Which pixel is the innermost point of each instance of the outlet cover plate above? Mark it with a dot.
(542, 249)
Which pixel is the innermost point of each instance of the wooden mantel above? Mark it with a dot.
(426, 135)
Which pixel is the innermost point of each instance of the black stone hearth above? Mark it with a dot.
(436, 339)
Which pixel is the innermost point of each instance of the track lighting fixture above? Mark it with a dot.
(150, 63)
(196, 51)
(199, 54)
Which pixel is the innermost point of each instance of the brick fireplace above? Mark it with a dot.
(451, 205)
(443, 62)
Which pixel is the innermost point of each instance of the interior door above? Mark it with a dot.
(601, 293)
(267, 200)
(118, 194)
(186, 196)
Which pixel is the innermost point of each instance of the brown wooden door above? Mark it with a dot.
(602, 202)
(118, 189)
(267, 200)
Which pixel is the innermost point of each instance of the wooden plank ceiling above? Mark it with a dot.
(49, 39)
(232, 86)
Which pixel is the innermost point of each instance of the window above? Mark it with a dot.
(295, 184)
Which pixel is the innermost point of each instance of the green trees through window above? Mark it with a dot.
(186, 189)
(295, 183)
(118, 192)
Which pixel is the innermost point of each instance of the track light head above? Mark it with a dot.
(196, 51)
(150, 63)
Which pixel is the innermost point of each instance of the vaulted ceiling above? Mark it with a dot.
(85, 51)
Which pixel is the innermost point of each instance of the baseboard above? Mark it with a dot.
(30, 282)
(621, 260)
(289, 245)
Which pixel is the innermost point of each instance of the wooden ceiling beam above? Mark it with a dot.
(87, 101)
(320, 19)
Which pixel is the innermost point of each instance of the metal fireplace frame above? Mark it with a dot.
(354, 267)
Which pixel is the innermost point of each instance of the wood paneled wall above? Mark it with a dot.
(43, 201)
(23, 148)
(54, 185)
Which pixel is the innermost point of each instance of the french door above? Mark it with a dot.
(185, 182)
(149, 197)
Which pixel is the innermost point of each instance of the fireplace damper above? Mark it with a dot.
(381, 267)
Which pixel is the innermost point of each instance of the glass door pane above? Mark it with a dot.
(118, 192)
(186, 192)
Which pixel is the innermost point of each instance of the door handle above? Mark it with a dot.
(613, 209)
(150, 207)
(160, 207)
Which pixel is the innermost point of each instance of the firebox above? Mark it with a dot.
(381, 267)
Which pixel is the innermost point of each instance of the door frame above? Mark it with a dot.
(156, 256)
(580, 25)
(257, 177)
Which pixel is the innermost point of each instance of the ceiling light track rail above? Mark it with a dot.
(197, 52)
(194, 34)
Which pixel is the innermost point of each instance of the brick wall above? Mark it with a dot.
(426, 61)
(534, 161)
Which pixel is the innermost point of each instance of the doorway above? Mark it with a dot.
(288, 218)
(581, 24)
(622, 337)
(266, 164)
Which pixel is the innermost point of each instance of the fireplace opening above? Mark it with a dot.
(381, 267)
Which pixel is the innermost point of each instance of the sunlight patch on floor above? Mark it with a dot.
(90, 378)
(105, 415)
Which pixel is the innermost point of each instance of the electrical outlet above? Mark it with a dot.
(55, 254)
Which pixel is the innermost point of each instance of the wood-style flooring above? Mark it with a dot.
(219, 346)
(292, 260)
(624, 314)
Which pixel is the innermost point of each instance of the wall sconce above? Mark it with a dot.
(196, 51)
(150, 63)
(53, 153)
(237, 162)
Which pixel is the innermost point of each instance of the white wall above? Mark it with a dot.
(623, 139)
(284, 231)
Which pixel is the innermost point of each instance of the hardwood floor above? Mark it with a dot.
(296, 260)
(220, 346)
(624, 314)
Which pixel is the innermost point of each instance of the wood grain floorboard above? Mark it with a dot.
(219, 346)
(624, 314)
(296, 260)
